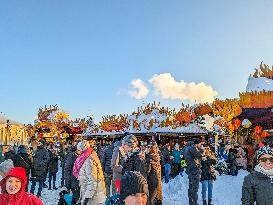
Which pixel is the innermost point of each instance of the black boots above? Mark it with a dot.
(209, 202)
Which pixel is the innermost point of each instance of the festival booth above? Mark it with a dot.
(153, 121)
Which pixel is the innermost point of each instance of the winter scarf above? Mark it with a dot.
(80, 160)
(268, 173)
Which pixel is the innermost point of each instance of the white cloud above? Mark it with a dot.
(141, 90)
(168, 88)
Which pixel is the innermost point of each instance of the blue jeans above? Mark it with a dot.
(207, 185)
(33, 185)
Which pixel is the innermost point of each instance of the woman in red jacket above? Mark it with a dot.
(13, 186)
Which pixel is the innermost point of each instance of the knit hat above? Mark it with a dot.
(83, 145)
(130, 140)
(6, 165)
(132, 183)
(262, 151)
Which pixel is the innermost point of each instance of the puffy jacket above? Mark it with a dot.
(136, 162)
(40, 164)
(193, 160)
(22, 197)
(258, 188)
(106, 159)
(207, 168)
(71, 182)
(91, 178)
(53, 162)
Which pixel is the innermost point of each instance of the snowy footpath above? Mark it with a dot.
(227, 190)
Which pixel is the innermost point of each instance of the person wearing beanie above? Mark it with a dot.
(13, 189)
(133, 190)
(128, 143)
(5, 166)
(88, 170)
(40, 166)
(193, 157)
(258, 186)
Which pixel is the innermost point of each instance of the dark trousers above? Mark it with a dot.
(108, 179)
(75, 195)
(33, 185)
(176, 169)
(62, 180)
(51, 176)
(194, 179)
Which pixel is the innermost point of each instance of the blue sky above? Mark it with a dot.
(80, 54)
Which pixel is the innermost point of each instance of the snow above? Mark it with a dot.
(227, 190)
(259, 84)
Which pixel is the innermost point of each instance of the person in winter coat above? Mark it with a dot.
(135, 161)
(87, 169)
(176, 154)
(258, 186)
(106, 166)
(10, 153)
(121, 149)
(154, 176)
(134, 190)
(52, 167)
(39, 167)
(208, 175)
(22, 159)
(232, 163)
(71, 182)
(13, 189)
(193, 157)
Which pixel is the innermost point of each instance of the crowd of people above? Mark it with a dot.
(131, 172)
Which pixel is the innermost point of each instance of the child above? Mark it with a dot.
(13, 189)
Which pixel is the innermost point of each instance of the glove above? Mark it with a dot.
(86, 200)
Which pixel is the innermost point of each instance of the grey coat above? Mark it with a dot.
(257, 188)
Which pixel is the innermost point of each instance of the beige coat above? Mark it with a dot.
(91, 180)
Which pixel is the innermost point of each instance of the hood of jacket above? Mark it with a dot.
(19, 173)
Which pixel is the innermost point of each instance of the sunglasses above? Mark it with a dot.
(264, 159)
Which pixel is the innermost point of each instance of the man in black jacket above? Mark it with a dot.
(106, 166)
(40, 167)
(193, 158)
(71, 182)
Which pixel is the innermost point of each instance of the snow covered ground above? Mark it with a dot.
(227, 190)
